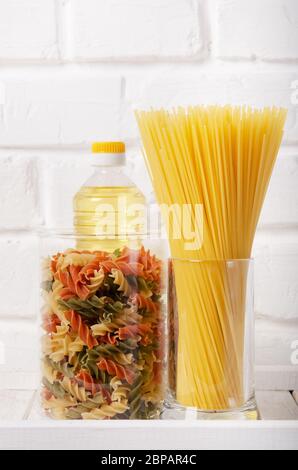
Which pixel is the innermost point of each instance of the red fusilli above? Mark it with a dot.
(50, 323)
(84, 379)
(88, 271)
(118, 370)
(144, 303)
(131, 331)
(79, 327)
(71, 282)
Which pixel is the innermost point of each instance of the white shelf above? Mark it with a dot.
(171, 435)
(23, 427)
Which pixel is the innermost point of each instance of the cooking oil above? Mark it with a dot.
(109, 210)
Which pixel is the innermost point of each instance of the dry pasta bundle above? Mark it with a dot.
(219, 159)
(103, 335)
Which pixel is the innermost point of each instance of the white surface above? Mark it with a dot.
(277, 405)
(15, 404)
(19, 208)
(19, 267)
(276, 377)
(150, 435)
(137, 28)
(35, 413)
(275, 341)
(68, 110)
(19, 363)
(281, 201)
(28, 30)
(276, 274)
(254, 28)
(36, 431)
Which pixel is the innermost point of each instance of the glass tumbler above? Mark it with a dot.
(211, 339)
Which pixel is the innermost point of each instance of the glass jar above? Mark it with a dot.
(103, 327)
(211, 339)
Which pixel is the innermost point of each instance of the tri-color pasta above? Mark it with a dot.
(103, 335)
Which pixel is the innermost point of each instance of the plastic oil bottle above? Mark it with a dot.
(109, 210)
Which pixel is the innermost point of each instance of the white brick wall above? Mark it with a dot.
(60, 111)
(28, 30)
(20, 365)
(73, 71)
(265, 29)
(280, 206)
(18, 275)
(276, 273)
(19, 194)
(135, 29)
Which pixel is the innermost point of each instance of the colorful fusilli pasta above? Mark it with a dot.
(78, 326)
(121, 281)
(103, 334)
(74, 389)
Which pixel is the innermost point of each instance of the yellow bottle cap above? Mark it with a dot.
(108, 147)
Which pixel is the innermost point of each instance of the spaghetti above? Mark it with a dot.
(220, 158)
